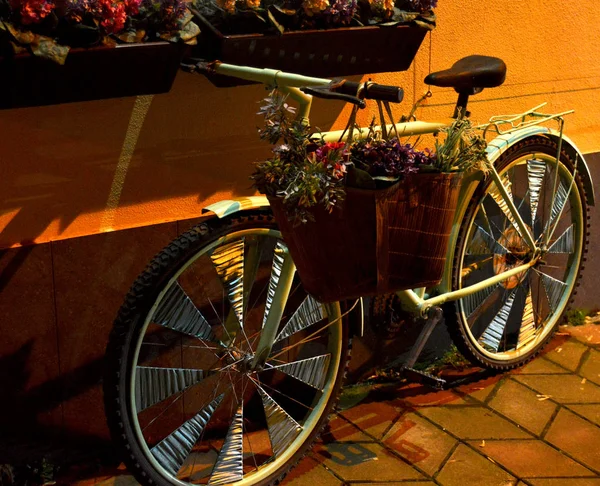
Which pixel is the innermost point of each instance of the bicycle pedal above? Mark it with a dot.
(424, 378)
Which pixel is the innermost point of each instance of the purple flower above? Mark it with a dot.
(340, 12)
(389, 158)
(421, 5)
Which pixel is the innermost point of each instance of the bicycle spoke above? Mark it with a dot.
(558, 203)
(565, 243)
(284, 395)
(229, 467)
(554, 289)
(492, 336)
(283, 429)
(173, 450)
(483, 243)
(278, 258)
(527, 332)
(177, 312)
(228, 261)
(501, 203)
(474, 301)
(309, 312)
(229, 264)
(311, 371)
(536, 170)
(153, 385)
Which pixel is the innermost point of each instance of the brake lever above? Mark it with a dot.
(330, 95)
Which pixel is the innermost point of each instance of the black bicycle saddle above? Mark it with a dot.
(470, 73)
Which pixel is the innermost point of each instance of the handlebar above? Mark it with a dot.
(349, 91)
(369, 91)
(326, 93)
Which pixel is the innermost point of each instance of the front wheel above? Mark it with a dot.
(184, 399)
(505, 325)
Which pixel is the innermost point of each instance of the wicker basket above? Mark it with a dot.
(378, 241)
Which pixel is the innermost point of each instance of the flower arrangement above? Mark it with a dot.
(264, 16)
(49, 28)
(305, 171)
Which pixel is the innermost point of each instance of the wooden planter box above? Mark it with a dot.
(89, 74)
(321, 53)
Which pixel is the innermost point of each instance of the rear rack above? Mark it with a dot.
(503, 124)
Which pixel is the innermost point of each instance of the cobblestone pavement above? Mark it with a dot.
(538, 426)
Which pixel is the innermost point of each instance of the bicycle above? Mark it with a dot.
(222, 370)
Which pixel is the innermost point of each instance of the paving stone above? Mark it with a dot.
(473, 423)
(588, 333)
(466, 467)
(540, 366)
(565, 482)
(420, 442)
(591, 367)
(310, 473)
(562, 388)
(521, 405)
(481, 389)
(375, 418)
(125, 480)
(531, 458)
(427, 398)
(590, 412)
(362, 462)
(403, 483)
(340, 430)
(567, 354)
(576, 437)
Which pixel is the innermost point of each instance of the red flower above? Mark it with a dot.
(33, 11)
(113, 16)
(331, 150)
(132, 7)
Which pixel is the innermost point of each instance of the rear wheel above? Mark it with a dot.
(505, 325)
(182, 396)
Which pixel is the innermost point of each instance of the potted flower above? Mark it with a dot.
(314, 37)
(54, 51)
(363, 217)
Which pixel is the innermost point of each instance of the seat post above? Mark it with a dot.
(461, 104)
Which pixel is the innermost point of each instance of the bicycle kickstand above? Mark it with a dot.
(434, 316)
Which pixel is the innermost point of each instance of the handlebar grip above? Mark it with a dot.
(393, 94)
(372, 91)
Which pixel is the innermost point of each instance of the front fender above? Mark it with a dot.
(228, 207)
(503, 142)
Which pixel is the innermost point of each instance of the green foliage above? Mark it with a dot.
(461, 150)
(303, 171)
(576, 317)
(450, 359)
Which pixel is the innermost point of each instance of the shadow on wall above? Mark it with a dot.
(23, 437)
(64, 165)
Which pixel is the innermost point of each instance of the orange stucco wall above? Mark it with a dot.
(79, 169)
